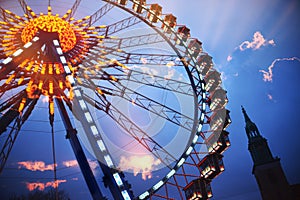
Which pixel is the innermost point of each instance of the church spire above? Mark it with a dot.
(257, 145)
(246, 117)
(251, 128)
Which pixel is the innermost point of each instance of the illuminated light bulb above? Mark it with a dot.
(57, 68)
(113, 78)
(7, 11)
(79, 80)
(22, 104)
(99, 91)
(22, 65)
(51, 87)
(60, 84)
(10, 78)
(40, 84)
(71, 94)
(50, 69)
(51, 107)
(43, 70)
(20, 80)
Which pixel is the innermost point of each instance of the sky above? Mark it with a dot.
(255, 44)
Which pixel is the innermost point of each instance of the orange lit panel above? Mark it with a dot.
(52, 24)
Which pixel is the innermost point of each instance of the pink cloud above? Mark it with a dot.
(74, 163)
(42, 186)
(36, 166)
(70, 163)
(257, 42)
(270, 97)
(268, 75)
(229, 58)
(143, 164)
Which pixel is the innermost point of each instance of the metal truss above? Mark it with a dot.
(19, 119)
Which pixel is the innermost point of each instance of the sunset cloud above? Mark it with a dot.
(268, 75)
(257, 42)
(229, 58)
(144, 164)
(74, 163)
(42, 186)
(36, 166)
(70, 163)
(270, 97)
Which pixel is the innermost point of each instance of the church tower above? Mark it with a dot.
(267, 170)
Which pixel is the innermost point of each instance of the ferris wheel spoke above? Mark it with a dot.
(153, 106)
(10, 102)
(73, 9)
(96, 16)
(24, 7)
(132, 129)
(169, 60)
(132, 41)
(15, 129)
(118, 26)
(5, 88)
(153, 80)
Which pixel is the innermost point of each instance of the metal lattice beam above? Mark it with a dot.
(24, 5)
(15, 129)
(74, 9)
(97, 15)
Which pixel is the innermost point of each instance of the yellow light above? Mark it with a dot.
(7, 11)
(57, 69)
(20, 80)
(28, 89)
(51, 87)
(61, 84)
(23, 63)
(113, 78)
(29, 66)
(51, 107)
(10, 78)
(79, 80)
(43, 70)
(99, 91)
(40, 84)
(36, 68)
(50, 69)
(22, 104)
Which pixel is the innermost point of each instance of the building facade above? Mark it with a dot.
(268, 172)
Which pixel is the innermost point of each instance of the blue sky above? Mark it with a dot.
(223, 26)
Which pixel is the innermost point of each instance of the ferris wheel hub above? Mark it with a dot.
(51, 24)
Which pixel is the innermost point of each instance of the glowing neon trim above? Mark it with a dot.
(88, 117)
(125, 195)
(18, 52)
(144, 195)
(94, 130)
(118, 179)
(180, 162)
(108, 161)
(158, 185)
(28, 44)
(171, 173)
(7, 60)
(101, 145)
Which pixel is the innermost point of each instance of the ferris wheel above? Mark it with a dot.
(130, 84)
